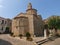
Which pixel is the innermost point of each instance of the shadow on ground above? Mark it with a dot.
(4, 42)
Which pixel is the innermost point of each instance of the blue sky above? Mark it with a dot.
(46, 8)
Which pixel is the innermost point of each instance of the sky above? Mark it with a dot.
(46, 8)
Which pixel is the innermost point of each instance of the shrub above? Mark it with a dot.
(11, 34)
(28, 35)
(20, 35)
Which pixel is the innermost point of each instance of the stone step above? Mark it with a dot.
(42, 41)
(46, 40)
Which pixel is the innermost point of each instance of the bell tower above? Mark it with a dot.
(29, 6)
(30, 10)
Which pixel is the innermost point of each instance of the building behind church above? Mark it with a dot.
(28, 22)
(5, 25)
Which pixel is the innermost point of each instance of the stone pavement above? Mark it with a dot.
(6, 38)
(36, 39)
(13, 41)
(55, 42)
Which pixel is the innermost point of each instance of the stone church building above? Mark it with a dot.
(28, 22)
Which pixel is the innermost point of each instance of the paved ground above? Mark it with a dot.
(36, 39)
(8, 40)
(55, 42)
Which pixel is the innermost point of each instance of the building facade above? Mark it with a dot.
(28, 22)
(4, 24)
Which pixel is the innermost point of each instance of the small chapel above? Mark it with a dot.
(29, 21)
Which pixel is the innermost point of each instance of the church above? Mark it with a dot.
(28, 22)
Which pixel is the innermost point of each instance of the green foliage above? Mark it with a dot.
(54, 23)
(28, 34)
(45, 26)
(7, 31)
(7, 28)
(58, 23)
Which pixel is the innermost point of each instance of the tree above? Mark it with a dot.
(58, 23)
(54, 23)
